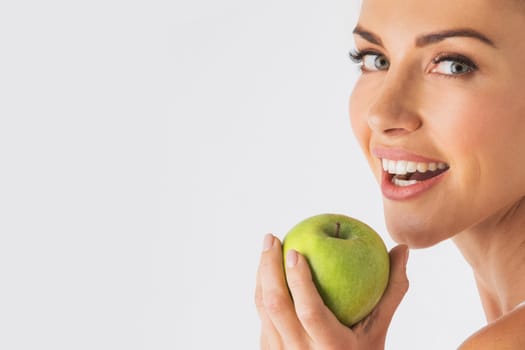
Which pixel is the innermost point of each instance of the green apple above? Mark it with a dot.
(349, 262)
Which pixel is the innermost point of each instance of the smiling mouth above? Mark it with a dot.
(405, 173)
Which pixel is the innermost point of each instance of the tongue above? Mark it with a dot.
(420, 176)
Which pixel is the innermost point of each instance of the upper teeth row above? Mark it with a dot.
(402, 167)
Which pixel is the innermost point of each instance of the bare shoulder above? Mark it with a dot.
(506, 333)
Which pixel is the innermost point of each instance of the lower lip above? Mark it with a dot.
(399, 193)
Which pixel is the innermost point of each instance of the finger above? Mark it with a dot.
(270, 340)
(397, 287)
(398, 283)
(269, 336)
(319, 322)
(277, 302)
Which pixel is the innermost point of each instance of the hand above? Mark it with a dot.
(305, 322)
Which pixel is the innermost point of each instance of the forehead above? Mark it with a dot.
(502, 20)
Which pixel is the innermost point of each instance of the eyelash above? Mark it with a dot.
(357, 57)
(456, 58)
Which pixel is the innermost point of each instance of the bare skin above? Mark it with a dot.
(306, 323)
(442, 82)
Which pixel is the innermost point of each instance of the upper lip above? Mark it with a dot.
(401, 154)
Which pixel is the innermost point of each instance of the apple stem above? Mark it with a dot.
(337, 229)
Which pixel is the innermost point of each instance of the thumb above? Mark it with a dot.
(380, 318)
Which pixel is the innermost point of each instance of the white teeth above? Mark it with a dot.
(411, 167)
(403, 167)
(403, 183)
(385, 164)
(422, 167)
(392, 166)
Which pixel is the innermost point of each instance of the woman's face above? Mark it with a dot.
(441, 105)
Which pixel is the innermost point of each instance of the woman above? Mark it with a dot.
(439, 112)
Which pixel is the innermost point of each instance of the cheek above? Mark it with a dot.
(358, 105)
(470, 124)
(497, 138)
(488, 127)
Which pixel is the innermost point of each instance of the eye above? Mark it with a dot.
(373, 62)
(370, 61)
(453, 65)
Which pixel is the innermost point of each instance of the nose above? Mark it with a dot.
(394, 111)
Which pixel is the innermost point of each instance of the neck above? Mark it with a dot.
(495, 249)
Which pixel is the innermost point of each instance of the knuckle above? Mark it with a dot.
(406, 285)
(264, 264)
(294, 282)
(268, 264)
(401, 285)
(309, 314)
(275, 302)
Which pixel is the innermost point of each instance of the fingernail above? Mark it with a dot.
(291, 258)
(268, 242)
(407, 253)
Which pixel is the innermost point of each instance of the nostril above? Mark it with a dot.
(396, 131)
(395, 125)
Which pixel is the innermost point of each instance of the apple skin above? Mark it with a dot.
(350, 271)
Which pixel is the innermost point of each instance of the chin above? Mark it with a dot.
(416, 232)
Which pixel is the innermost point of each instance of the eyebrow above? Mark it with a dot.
(431, 38)
(367, 35)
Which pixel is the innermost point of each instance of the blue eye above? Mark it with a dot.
(453, 65)
(375, 62)
(370, 61)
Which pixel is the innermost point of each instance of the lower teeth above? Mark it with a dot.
(403, 183)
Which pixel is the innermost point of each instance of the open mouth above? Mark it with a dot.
(407, 173)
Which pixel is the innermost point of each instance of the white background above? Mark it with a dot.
(147, 147)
